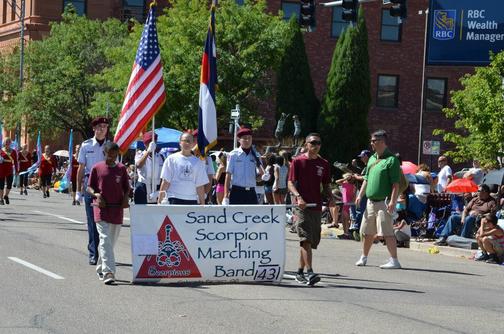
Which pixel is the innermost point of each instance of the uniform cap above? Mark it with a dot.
(244, 132)
(99, 120)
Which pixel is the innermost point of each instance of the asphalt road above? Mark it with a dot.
(432, 294)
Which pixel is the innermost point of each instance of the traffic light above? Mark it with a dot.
(307, 14)
(399, 9)
(350, 10)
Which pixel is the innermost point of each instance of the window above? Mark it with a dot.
(290, 9)
(388, 89)
(390, 27)
(435, 94)
(79, 5)
(134, 9)
(338, 24)
(13, 5)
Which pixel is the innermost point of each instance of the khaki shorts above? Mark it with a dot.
(308, 226)
(376, 220)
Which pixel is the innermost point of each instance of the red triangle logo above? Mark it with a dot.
(173, 259)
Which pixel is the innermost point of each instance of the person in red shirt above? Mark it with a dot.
(25, 162)
(109, 186)
(47, 169)
(8, 167)
(73, 176)
(307, 173)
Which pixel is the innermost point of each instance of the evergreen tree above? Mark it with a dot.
(343, 117)
(295, 92)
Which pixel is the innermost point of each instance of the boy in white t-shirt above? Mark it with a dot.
(184, 176)
(445, 174)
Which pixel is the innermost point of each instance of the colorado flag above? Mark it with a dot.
(207, 114)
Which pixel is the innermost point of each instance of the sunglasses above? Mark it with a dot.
(315, 142)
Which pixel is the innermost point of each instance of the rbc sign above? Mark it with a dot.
(463, 32)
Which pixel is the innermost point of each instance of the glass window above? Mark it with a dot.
(290, 8)
(390, 27)
(134, 9)
(387, 95)
(338, 24)
(79, 5)
(435, 94)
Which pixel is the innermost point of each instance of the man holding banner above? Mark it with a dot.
(308, 171)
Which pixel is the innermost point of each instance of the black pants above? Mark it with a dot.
(6, 180)
(140, 193)
(240, 195)
(23, 180)
(45, 180)
(173, 200)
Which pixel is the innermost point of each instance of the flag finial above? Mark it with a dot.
(153, 4)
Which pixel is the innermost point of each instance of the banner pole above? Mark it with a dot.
(153, 156)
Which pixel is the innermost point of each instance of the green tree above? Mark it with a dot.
(345, 106)
(478, 111)
(295, 92)
(9, 86)
(60, 82)
(250, 44)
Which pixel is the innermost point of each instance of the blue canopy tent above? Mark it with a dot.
(166, 138)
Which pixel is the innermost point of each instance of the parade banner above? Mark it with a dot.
(178, 243)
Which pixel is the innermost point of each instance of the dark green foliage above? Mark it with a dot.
(295, 92)
(345, 106)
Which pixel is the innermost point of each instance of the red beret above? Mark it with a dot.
(147, 137)
(244, 132)
(195, 133)
(99, 120)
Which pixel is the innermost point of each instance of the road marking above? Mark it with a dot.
(60, 217)
(36, 268)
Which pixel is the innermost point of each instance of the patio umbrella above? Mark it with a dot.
(61, 153)
(416, 179)
(462, 186)
(494, 177)
(408, 167)
(166, 138)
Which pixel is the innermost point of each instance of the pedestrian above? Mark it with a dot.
(143, 163)
(25, 162)
(445, 174)
(48, 167)
(183, 176)
(280, 184)
(220, 177)
(91, 152)
(73, 177)
(381, 187)
(308, 172)
(8, 169)
(242, 170)
(109, 187)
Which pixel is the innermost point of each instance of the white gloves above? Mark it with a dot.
(225, 201)
(265, 177)
(152, 147)
(78, 196)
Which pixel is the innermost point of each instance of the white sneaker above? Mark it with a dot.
(362, 261)
(391, 264)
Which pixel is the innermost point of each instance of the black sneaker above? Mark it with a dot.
(482, 257)
(300, 278)
(47, 193)
(25, 192)
(312, 279)
(441, 242)
(45, 196)
(6, 198)
(2, 202)
(493, 259)
(73, 202)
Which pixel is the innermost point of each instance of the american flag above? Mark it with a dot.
(207, 113)
(146, 92)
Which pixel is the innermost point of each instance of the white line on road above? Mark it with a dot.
(60, 217)
(34, 267)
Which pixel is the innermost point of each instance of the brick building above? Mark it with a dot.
(396, 57)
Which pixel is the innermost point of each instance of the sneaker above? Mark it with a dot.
(6, 199)
(362, 261)
(482, 257)
(313, 278)
(391, 264)
(108, 278)
(77, 202)
(45, 196)
(2, 202)
(25, 192)
(100, 276)
(73, 202)
(493, 259)
(345, 237)
(300, 278)
(21, 192)
(47, 193)
(441, 242)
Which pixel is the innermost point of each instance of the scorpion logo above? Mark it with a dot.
(169, 251)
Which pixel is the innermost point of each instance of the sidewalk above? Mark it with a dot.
(429, 247)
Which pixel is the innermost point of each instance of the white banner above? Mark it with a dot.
(207, 243)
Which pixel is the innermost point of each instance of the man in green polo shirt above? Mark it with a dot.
(381, 187)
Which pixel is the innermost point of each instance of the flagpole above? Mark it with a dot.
(152, 157)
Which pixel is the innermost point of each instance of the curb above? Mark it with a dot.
(429, 247)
